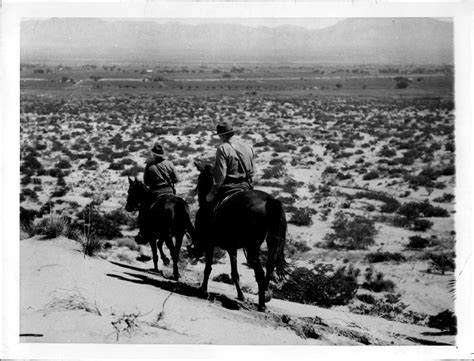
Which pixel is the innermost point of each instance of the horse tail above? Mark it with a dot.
(276, 237)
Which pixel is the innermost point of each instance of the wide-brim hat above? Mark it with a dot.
(224, 128)
(157, 149)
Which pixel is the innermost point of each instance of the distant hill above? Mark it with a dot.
(371, 41)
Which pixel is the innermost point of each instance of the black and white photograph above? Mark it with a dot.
(237, 181)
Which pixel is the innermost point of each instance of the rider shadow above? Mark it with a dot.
(177, 287)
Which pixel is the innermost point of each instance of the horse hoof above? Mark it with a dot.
(176, 277)
(166, 261)
(261, 308)
(241, 298)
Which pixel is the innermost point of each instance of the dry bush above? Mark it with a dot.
(445, 320)
(53, 227)
(321, 285)
(351, 232)
(224, 278)
(377, 283)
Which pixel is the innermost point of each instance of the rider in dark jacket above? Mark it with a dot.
(234, 167)
(160, 176)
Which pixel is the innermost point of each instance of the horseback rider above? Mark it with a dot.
(234, 167)
(160, 176)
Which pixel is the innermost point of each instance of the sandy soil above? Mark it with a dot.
(66, 297)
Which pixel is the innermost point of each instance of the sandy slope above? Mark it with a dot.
(66, 297)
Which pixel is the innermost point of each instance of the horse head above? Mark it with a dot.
(136, 194)
(205, 181)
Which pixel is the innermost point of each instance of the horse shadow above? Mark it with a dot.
(150, 278)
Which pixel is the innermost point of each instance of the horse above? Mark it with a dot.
(241, 221)
(164, 218)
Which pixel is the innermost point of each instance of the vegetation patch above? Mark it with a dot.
(321, 285)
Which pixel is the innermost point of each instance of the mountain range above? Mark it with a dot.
(353, 40)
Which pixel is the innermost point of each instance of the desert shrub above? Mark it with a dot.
(390, 204)
(320, 285)
(282, 147)
(224, 278)
(27, 215)
(445, 198)
(305, 149)
(421, 225)
(417, 242)
(330, 170)
(445, 321)
(450, 147)
(90, 244)
(99, 225)
(415, 181)
(371, 175)
(376, 257)
(387, 152)
(59, 191)
(294, 248)
(431, 173)
(351, 232)
(366, 298)
(448, 170)
(30, 164)
(377, 283)
(401, 82)
(63, 164)
(55, 173)
(302, 216)
(143, 258)
(277, 161)
(413, 210)
(116, 166)
(27, 192)
(132, 171)
(386, 308)
(290, 185)
(53, 226)
(442, 262)
(275, 171)
(89, 164)
(25, 180)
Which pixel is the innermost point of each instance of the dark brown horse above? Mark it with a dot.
(163, 218)
(244, 220)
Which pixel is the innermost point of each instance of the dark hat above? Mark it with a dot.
(157, 149)
(224, 128)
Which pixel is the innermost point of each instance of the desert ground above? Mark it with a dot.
(363, 164)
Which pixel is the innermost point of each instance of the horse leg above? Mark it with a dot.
(155, 254)
(207, 270)
(175, 253)
(254, 260)
(268, 275)
(166, 260)
(235, 273)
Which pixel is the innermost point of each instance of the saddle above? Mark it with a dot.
(229, 194)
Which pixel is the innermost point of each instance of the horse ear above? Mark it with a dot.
(136, 179)
(130, 180)
(198, 166)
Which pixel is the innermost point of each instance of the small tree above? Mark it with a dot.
(401, 82)
(351, 232)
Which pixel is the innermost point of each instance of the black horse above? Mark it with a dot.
(163, 218)
(243, 220)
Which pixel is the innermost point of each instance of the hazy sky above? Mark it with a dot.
(310, 23)
(314, 23)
